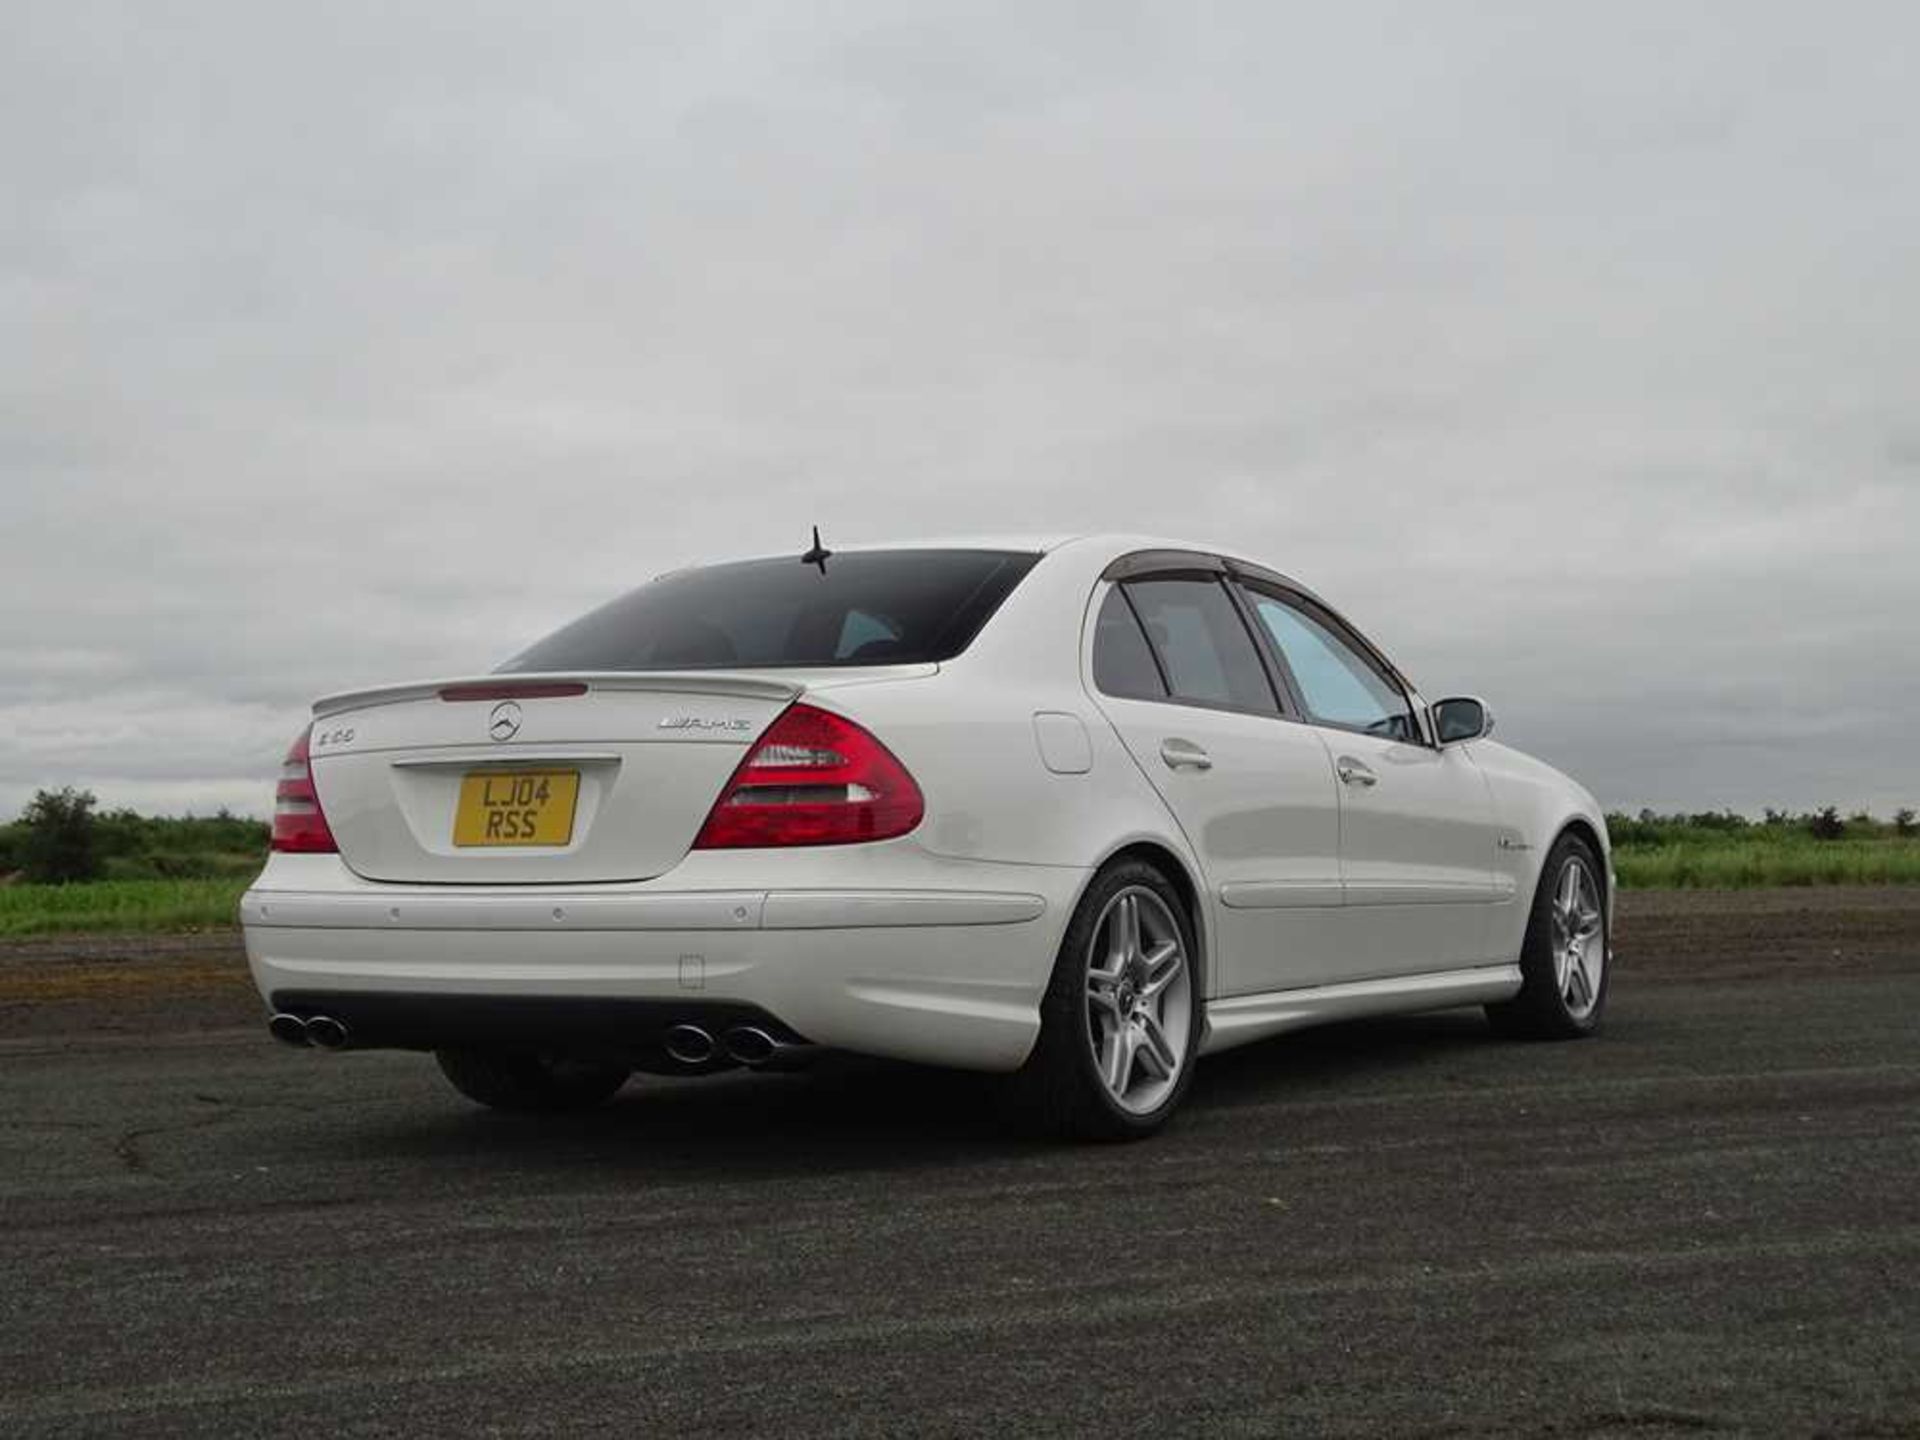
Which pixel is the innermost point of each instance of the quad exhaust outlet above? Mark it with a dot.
(321, 1030)
(747, 1045)
(755, 1048)
(288, 1029)
(689, 1044)
(686, 1044)
(327, 1032)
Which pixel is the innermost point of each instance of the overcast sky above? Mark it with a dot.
(1574, 350)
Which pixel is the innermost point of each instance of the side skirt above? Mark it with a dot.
(1238, 1019)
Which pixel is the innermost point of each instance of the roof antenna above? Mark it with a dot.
(818, 554)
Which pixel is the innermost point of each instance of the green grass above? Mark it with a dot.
(1763, 860)
(119, 905)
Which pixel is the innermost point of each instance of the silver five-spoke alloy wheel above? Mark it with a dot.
(1139, 999)
(1579, 938)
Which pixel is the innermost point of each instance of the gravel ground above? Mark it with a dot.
(1708, 1220)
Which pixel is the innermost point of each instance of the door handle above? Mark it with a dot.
(1184, 755)
(1352, 772)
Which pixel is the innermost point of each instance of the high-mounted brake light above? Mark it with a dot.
(509, 690)
(299, 824)
(813, 778)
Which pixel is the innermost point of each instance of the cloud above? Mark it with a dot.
(1569, 351)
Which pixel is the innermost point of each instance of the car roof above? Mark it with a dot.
(1113, 545)
(1118, 542)
(1022, 542)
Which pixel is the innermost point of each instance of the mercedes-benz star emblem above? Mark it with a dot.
(504, 722)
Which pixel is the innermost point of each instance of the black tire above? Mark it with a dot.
(1544, 1010)
(1059, 1092)
(528, 1083)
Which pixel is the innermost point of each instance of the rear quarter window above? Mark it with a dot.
(1123, 666)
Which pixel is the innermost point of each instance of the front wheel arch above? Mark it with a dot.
(1596, 841)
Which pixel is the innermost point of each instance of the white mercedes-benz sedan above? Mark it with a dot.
(1079, 811)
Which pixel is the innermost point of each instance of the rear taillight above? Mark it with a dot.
(813, 779)
(299, 824)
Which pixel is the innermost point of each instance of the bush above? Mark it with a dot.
(130, 846)
(58, 845)
(1903, 823)
(126, 833)
(1827, 825)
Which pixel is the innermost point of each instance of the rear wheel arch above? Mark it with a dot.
(1180, 877)
(1112, 999)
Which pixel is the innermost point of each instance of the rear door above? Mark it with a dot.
(1417, 829)
(1178, 674)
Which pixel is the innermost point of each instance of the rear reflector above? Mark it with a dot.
(299, 824)
(813, 778)
(513, 692)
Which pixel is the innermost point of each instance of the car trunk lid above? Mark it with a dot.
(536, 779)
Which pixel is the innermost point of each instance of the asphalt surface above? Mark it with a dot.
(1707, 1220)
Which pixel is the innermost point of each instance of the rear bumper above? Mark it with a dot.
(948, 977)
(628, 1032)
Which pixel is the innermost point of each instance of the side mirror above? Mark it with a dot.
(1461, 717)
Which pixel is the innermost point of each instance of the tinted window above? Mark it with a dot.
(1122, 664)
(872, 607)
(1339, 685)
(860, 630)
(1203, 647)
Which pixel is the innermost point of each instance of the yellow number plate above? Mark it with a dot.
(516, 807)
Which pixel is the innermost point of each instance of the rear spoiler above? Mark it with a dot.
(681, 682)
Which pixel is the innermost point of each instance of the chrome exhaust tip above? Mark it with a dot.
(689, 1044)
(751, 1045)
(288, 1029)
(327, 1032)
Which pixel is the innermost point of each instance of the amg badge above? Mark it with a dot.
(703, 722)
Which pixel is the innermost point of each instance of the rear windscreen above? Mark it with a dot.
(871, 607)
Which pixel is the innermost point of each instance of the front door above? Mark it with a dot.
(1417, 832)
